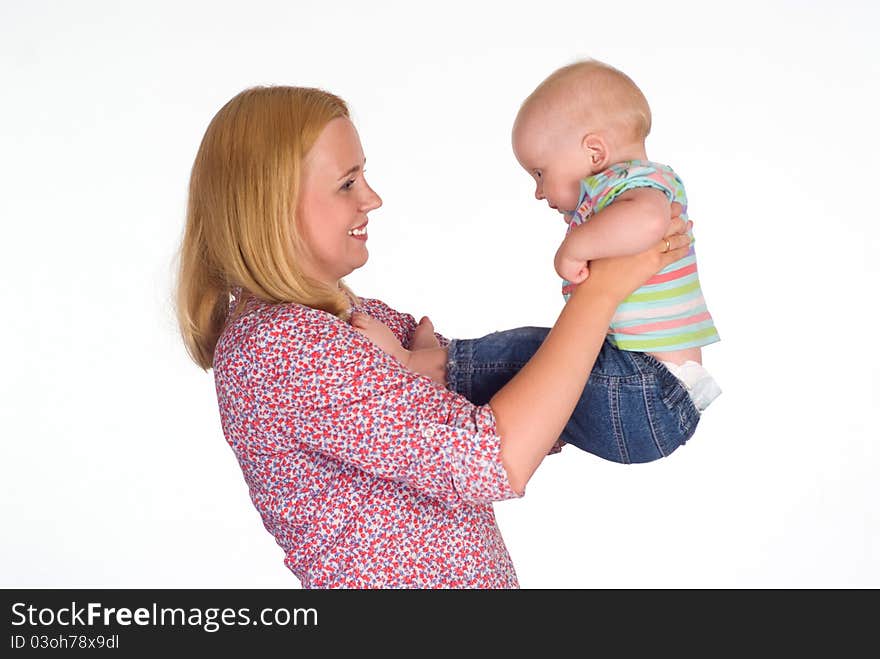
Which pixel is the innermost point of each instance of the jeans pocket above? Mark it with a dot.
(680, 421)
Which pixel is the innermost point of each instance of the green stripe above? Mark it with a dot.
(646, 344)
(661, 304)
(663, 295)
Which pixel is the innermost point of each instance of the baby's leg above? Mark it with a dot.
(631, 410)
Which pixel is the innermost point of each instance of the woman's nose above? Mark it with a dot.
(372, 201)
(539, 192)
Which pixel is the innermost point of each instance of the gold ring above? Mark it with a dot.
(667, 245)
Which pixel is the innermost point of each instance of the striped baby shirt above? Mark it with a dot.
(668, 312)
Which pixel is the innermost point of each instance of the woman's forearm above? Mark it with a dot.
(532, 409)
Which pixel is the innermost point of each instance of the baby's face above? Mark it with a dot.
(552, 156)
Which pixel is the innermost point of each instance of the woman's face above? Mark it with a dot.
(334, 200)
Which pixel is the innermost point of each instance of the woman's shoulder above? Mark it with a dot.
(379, 310)
(402, 324)
(263, 329)
(373, 304)
(269, 318)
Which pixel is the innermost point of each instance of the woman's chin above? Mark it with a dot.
(357, 262)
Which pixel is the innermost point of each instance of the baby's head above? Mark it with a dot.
(580, 120)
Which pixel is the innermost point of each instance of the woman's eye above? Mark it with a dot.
(348, 184)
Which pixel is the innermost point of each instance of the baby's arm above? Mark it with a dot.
(632, 223)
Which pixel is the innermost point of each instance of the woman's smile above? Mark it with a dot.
(359, 232)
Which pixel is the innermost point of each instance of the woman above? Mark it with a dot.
(366, 473)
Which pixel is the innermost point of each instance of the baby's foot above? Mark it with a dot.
(423, 338)
(426, 358)
(430, 362)
(379, 334)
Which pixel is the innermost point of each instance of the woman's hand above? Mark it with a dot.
(619, 276)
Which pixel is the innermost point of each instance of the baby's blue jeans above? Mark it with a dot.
(632, 408)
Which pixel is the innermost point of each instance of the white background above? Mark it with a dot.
(114, 468)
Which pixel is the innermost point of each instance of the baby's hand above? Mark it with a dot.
(569, 267)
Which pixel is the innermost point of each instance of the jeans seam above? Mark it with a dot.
(649, 379)
(459, 367)
(617, 426)
(496, 366)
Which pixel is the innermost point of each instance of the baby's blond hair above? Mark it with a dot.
(598, 97)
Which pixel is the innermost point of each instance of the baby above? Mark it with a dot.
(581, 136)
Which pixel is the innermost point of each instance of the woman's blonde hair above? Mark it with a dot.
(241, 229)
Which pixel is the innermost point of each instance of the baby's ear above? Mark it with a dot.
(597, 152)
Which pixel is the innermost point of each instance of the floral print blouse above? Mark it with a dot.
(367, 474)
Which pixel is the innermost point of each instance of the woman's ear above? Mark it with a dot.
(597, 152)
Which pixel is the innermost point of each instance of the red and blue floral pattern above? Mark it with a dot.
(367, 475)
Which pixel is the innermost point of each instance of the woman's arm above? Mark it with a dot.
(532, 409)
(291, 378)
